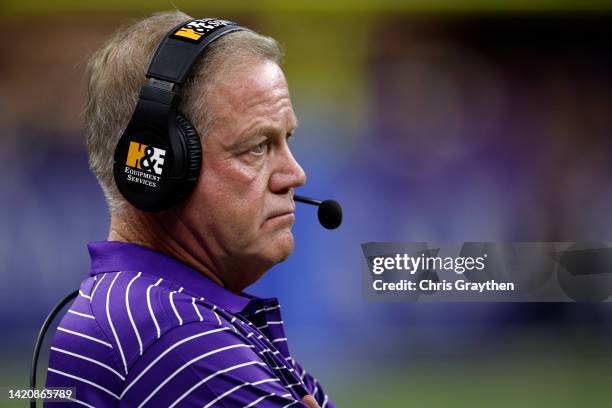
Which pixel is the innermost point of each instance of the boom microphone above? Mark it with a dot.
(329, 213)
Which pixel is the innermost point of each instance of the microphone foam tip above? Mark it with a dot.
(330, 214)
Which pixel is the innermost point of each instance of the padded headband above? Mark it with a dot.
(179, 50)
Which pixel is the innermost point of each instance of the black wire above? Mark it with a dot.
(306, 200)
(41, 337)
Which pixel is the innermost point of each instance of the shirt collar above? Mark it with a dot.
(110, 256)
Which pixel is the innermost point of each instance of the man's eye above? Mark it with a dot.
(260, 149)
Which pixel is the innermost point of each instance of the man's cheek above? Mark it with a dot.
(243, 170)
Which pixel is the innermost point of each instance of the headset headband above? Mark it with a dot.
(182, 46)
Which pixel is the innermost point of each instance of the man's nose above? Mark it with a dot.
(289, 173)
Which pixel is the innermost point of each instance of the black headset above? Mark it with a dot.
(157, 160)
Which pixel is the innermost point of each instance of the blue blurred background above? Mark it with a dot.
(428, 121)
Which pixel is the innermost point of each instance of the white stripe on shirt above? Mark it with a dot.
(110, 322)
(93, 384)
(196, 309)
(265, 309)
(93, 292)
(258, 400)
(81, 314)
(178, 316)
(315, 389)
(85, 336)
(84, 295)
(129, 312)
(216, 373)
(150, 308)
(226, 393)
(91, 360)
(216, 315)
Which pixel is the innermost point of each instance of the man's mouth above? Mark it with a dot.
(289, 215)
(280, 214)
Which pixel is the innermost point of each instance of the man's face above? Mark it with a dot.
(242, 209)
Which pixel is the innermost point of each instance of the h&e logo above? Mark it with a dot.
(194, 30)
(147, 158)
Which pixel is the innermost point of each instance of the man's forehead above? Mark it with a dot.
(254, 96)
(251, 84)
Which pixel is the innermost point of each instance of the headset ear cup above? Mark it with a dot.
(194, 152)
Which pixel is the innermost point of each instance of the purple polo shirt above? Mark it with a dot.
(147, 330)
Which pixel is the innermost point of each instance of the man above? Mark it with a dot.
(163, 321)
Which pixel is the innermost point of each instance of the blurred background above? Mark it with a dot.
(428, 121)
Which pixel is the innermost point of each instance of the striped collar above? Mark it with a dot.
(111, 256)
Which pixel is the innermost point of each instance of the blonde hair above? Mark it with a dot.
(116, 72)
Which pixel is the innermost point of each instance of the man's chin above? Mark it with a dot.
(273, 247)
(264, 256)
(283, 245)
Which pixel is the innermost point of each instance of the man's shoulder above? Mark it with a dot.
(135, 309)
(124, 313)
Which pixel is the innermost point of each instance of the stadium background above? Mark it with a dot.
(445, 121)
